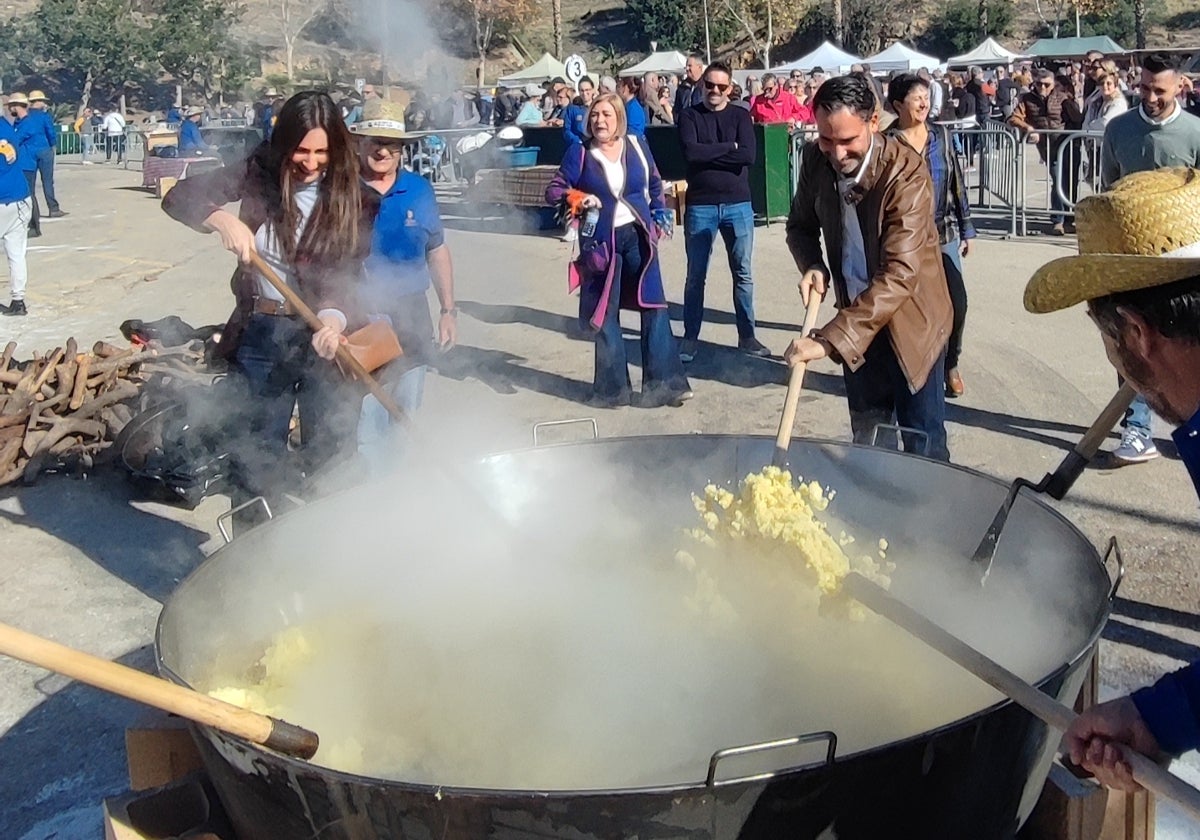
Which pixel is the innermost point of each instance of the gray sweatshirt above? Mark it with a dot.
(1133, 143)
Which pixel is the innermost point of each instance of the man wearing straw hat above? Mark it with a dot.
(1138, 271)
(39, 111)
(408, 255)
(191, 141)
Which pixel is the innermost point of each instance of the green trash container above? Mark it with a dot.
(771, 175)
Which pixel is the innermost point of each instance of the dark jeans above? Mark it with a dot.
(952, 263)
(45, 166)
(735, 223)
(35, 215)
(878, 393)
(114, 143)
(281, 369)
(662, 372)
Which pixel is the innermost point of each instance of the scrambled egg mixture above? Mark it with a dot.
(773, 522)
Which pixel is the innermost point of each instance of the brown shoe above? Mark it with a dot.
(954, 384)
(1058, 230)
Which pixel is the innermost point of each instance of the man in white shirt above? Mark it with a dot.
(114, 133)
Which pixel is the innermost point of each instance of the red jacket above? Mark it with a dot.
(782, 108)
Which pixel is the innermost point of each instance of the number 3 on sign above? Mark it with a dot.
(575, 69)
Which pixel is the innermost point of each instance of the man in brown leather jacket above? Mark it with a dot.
(871, 198)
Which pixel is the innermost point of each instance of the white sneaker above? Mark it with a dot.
(571, 235)
(1135, 448)
(87, 162)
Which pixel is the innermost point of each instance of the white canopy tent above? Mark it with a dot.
(828, 57)
(987, 53)
(670, 61)
(903, 58)
(544, 69)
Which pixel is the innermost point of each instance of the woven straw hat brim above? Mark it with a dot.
(1070, 280)
(363, 130)
(18, 99)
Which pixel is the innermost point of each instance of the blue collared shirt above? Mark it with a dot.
(407, 228)
(1171, 707)
(35, 133)
(13, 186)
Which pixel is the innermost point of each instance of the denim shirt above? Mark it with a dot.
(1171, 707)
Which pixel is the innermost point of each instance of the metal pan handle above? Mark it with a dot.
(1114, 550)
(811, 738)
(229, 514)
(538, 427)
(901, 430)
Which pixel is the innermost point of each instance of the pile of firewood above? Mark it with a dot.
(62, 410)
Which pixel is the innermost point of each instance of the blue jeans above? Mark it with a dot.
(662, 372)
(381, 443)
(45, 168)
(735, 222)
(878, 393)
(1137, 416)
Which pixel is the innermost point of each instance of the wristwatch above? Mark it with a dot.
(453, 310)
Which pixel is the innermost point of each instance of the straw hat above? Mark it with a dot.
(192, 111)
(17, 98)
(381, 118)
(38, 96)
(1145, 232)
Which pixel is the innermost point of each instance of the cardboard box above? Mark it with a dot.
(160, 750)
(186, 807)
(164, 186)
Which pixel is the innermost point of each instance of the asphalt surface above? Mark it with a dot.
(86, 564)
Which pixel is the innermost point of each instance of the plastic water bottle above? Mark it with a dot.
(588, 228)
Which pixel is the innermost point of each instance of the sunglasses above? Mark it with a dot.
(1045, 84)
(393, 146)
(715, 86)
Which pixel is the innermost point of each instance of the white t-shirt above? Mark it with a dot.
(267, 245)
(113, 123)
(614, 172)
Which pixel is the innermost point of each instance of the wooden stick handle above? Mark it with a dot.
(1090, 443)
(1148, 774)
(159, 693)
(787, 420)
(343, 354)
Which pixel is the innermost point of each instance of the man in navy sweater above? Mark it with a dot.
(719, 147)
(1142, 289)
(15, 211)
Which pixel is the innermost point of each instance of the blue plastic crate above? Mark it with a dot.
(521, 157)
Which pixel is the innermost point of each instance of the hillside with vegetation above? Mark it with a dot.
(97, 49)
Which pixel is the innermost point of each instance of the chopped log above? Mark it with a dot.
(9, 451)
(38, 442)
(66, 377)
(81, 377)
(123, 390)
(120, 361)
(44, 375)
(14, 419)
(104, 350)
(22, 396)
(10, 377)
(6, 356)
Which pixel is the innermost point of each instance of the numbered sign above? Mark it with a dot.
(576, 69)
(359, 84)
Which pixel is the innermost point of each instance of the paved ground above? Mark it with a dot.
(84, 564)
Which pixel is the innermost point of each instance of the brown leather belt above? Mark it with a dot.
(266, 306)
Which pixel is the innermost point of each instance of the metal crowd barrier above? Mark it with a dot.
(993, 155)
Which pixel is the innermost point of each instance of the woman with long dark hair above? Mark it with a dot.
(305, 211)
(908, 96)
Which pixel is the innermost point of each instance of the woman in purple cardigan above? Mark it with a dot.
(618, 266)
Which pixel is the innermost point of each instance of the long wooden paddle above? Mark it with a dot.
(154, 691)
(343, 354)
(1148, 774)
(787, 421)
